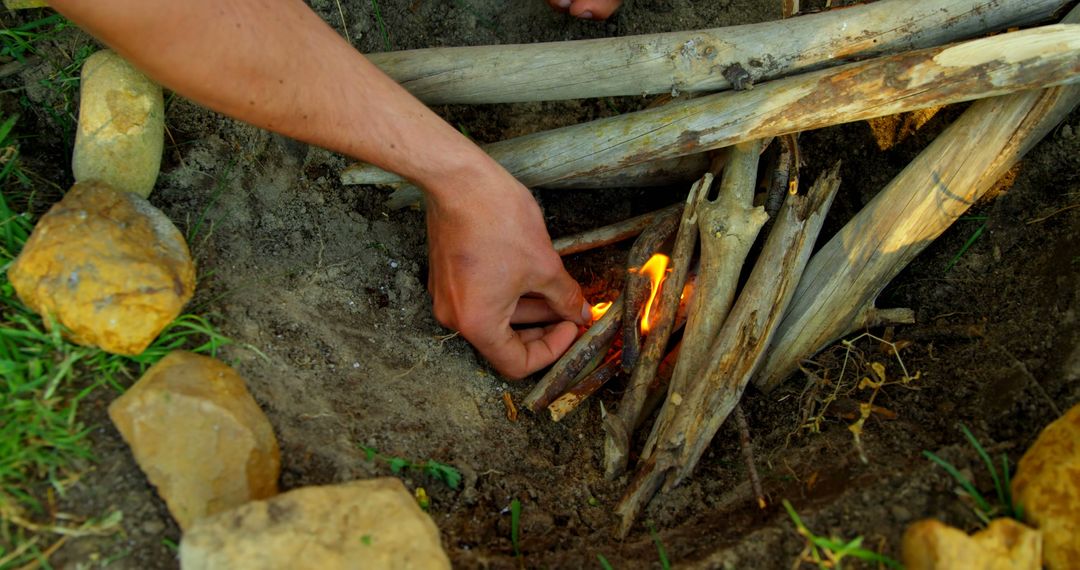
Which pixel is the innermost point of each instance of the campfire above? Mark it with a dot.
(721, 290)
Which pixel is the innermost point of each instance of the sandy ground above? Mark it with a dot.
(328, 284)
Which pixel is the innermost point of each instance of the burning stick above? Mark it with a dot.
(980, 68)
(688, 422)
(638, 282)
(614, 233)
(619, 425)
(577, 394)
(728, 226)
(593, 344)
(692, 61)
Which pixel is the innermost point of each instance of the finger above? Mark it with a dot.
(594, 9)
(533, 311)
(560, 5)
(516, 358)
(564, 296)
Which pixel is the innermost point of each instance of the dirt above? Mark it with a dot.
(322, 288)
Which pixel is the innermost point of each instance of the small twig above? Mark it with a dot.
(595, 342)
(617, 232)
(1054, 213)
(578, 393)
(748, 455)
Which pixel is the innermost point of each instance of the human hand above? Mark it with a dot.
(492, 265)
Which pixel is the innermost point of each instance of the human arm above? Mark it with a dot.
(277, 65)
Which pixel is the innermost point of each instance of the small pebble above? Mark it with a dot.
(1067, 132)
(901, 514)
(153, 527)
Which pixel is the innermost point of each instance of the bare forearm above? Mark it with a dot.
(275, 64)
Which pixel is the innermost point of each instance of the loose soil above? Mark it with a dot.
(322, 288)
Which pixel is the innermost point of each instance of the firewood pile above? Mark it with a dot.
(766, 83)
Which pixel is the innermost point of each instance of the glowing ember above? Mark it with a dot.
(655, 268)
(599, 309)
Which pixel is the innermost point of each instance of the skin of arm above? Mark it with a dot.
(277, 65)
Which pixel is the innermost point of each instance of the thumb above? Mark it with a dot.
(564, 296)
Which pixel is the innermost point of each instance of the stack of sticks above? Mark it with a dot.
(793, 304)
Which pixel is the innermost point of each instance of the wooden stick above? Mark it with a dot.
(837, 293)
(637, 286)
(579, 392)
(748, 455)
(695, 60)
(728, 227)
(614, 233)
(618, 426)
(595, 341)
(975, 69)
(688, 422)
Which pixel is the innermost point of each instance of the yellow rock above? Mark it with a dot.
(23, 4)
(121, 125)
(363, 524)
(199, 436)
(1004, 545)
(108, 266)
(1047, 486)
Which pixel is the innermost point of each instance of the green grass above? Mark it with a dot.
(19, 41)
(45, 381)
(971, 239)
(382, 24)
(829, 553)
(515, 526)
(1006, 505)
(450, 476)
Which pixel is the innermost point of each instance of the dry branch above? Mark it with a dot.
(577, 393)
(594, 343)
(619, 425)
(976, 69)
(688, 422)
(611, 234)
(695, 60)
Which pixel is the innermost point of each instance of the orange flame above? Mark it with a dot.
(599, 309)
(655, 268)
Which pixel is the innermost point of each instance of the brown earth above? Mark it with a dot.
(329, 285)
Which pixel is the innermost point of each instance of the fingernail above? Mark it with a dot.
(564, 3)
(586, 15)
(586, 312)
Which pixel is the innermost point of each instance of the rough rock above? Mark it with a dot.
(108, 266)
(199, 436)
(363, 524)
(1047, 486)
(1004, 545)
(121, 125)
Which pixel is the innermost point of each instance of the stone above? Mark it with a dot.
(108, 266)
(363, 524)
(121, 125)
(199, 436)
(1047, 486)
(1004, 545)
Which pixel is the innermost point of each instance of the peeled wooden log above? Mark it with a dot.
(694, 61)
(843, 280)
(1001, 64)
(688, 422)
(837, 293)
